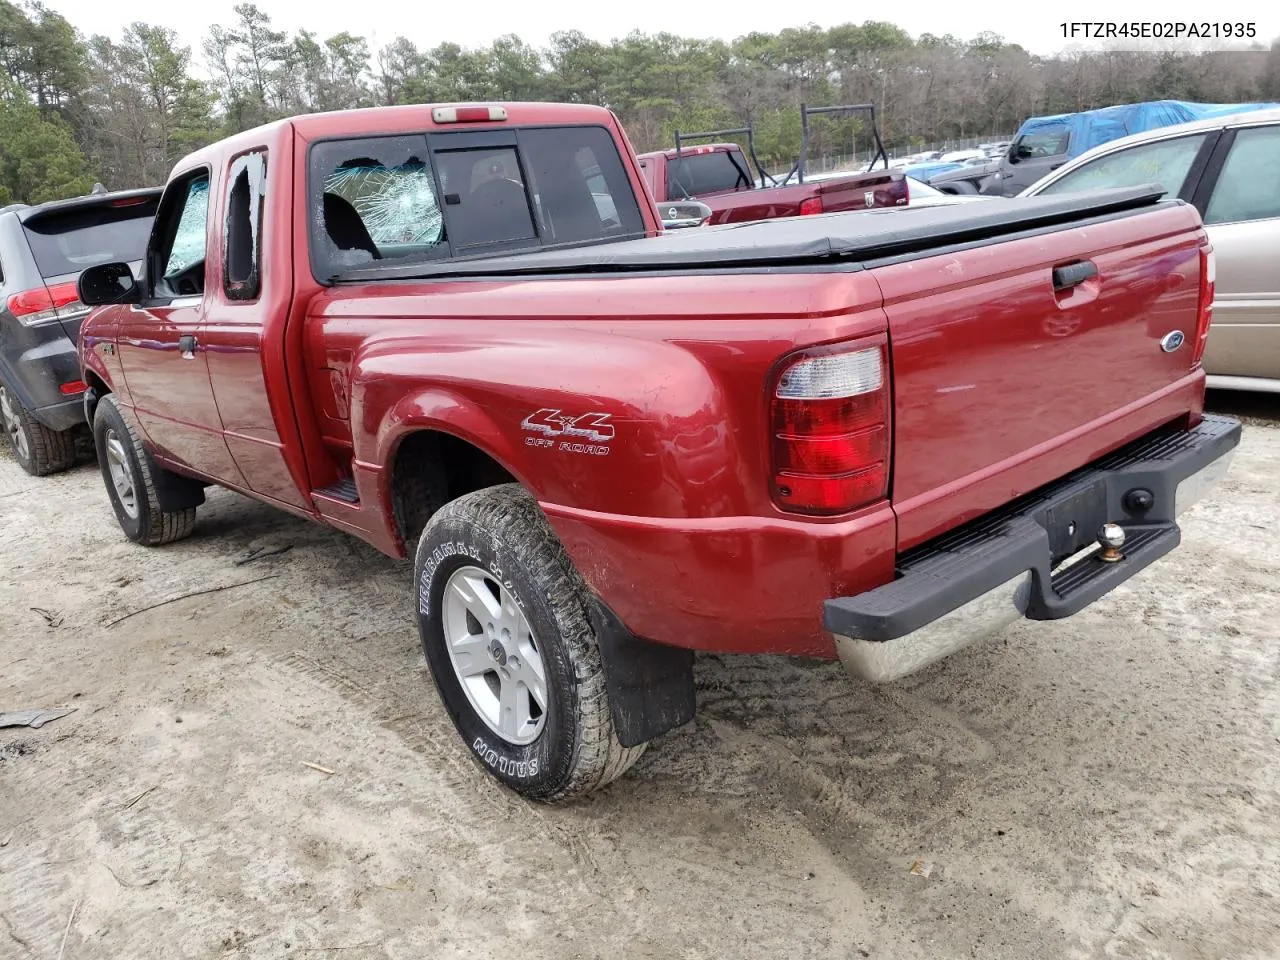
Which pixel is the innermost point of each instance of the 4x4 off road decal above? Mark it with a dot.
(552, 427)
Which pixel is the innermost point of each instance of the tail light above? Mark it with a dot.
(899, 192)
(830, 421)
(810, 205)
(59, 302)
(1204, 313)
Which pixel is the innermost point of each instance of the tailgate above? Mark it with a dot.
(884, 188)
(1003, 383)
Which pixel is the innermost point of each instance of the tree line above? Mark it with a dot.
(121, 111)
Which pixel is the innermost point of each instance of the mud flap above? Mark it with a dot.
(175, 492)
(650, 685)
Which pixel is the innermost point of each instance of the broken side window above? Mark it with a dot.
(241, 275)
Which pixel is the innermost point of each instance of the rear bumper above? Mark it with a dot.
(63, 415)
(1009, 565)
(47, 360)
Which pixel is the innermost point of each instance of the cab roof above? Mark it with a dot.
(399, 120)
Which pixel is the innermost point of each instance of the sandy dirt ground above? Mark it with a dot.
(1105, 786)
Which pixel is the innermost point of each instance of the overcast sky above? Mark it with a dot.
(1034, 25)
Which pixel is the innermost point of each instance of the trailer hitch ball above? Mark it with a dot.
(1111, 538)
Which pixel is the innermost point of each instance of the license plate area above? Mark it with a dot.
(1073, 522)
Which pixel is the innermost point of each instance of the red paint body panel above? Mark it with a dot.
(99, 357)
(855, 191)
(731, 584)
(243, 340)
(475, 358)
(171, 395)
(999, 386)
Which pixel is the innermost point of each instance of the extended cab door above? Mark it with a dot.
(1240, 203)
(251, 288)
(161, 356)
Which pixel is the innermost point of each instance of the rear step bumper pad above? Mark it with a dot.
(1027, 559)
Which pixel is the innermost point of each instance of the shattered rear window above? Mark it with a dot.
(427, 197)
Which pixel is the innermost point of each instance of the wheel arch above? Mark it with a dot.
(429, 464)
(97, 389)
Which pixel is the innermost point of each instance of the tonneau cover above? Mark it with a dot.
(847, 238)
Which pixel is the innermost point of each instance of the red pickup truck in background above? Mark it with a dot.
(605, 446)
(720, 176)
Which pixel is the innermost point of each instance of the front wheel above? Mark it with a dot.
(129, 475)
(503, 618)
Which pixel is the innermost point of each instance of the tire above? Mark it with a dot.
(38, 450)
(497, 540)
(133, 496)
(962, 188)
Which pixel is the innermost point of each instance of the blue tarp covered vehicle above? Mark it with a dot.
(1088, 129)
(1043, 144)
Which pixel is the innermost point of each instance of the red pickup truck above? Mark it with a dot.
(718, 175)
(606, 447)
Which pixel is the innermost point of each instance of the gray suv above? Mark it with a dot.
(43, 249)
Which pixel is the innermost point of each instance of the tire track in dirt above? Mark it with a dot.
(37, 891)
(432, 735)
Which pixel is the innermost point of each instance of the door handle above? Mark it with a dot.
(187, 345)
(1073, 274)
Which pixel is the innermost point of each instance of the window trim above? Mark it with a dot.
(154, 271)
(434, 135)
(1190, 181)
(250, 289)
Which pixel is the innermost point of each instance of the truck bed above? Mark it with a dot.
(846, 239)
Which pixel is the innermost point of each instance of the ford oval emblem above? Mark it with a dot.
(1172, 341)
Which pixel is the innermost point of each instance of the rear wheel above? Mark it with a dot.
(38, 450)
(503, 618)
(129, 474)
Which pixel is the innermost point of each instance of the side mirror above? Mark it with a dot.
(108, 283)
